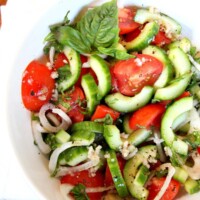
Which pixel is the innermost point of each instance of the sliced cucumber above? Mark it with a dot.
(102, 72)
(135, 187)
(144, 38)
(73, 156)
(185, 44)
(87, 137)
(139, 136)
(180, 120)
(112, 136)
(75, 69)
(191, 186)
(180, 175)
(91, 91)
(176, 109)
(87, 126)
(126, 104)
(180, 61)
(174, 89)
(118, 180)
(195, 90)
(180, 147)
(142, 175)
(167, 73)
(62, 136)
(143, 15)
(126, 126)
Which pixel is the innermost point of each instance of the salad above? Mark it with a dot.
(114, 105)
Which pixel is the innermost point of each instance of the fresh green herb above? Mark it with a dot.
(63, 73)
(161, 173)
(114, 52)
(99, 26)
(51, 141)
(193, 139)
(177, 159)
(107, 120)
(79, 192)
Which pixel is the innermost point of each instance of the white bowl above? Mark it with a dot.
(26, 35)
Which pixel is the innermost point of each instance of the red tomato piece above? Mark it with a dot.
(156, 185)
(133, 74)
(84, 178)
(161, 39)
(148, 116)
(60, 61)
(184, 94)
(102, 110)
(113, 81)
(108, 176)
(75, 99)
(37, 86)
(132, 35)
(198, 150)
(126, 21)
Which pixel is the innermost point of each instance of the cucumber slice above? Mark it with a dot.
(126, 126)
(144, 38)
(167, 73)
(191, 186)
(180, 147)
(195, 90)
(73, 156)
(136, 189)
(180, 61)
(139, 136)
(118, 180)
(102, 72)
(173, 111)
(62, 136)
(112, 137)
(142, 175)
(87, 126)
(143, 15)
(180, 120)
(126, 104)
(180, 175)
(185, 44)
(91, 91)
(84, 136)
(174, 90)
(75, 69)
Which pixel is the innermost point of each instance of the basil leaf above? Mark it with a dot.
(100, 25)
(114, 52)
(69, 36)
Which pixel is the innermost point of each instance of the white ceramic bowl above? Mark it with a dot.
(26, 34)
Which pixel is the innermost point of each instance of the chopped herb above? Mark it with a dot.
(79, 192)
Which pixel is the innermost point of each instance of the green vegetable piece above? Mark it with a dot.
(126, 104)
(75, 69)
(144, 38)
(99, 26)
(192, 186)
(116, 174)
(180, 175)
(62, 136)
(79, 192)
(112, 136)
(139, 136)
(167, 72)
(73, 156)
(83, 136)
(90, 89)
(102, 72)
